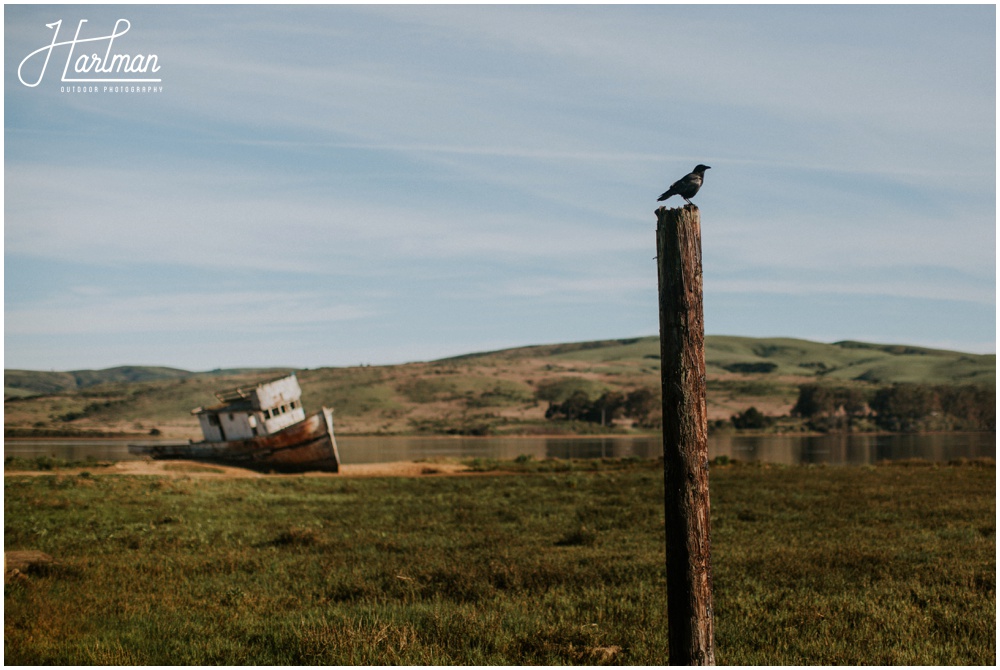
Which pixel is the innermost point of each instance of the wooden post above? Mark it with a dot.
(685, 437)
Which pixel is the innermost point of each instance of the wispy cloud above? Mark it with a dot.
(243, 311)
(841, 286)
(407, 161)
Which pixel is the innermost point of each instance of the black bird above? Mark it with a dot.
(687, 186)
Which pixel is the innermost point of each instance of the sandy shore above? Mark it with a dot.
(194, 469)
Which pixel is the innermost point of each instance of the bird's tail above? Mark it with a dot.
(665, 196)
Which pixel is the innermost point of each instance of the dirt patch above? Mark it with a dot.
(24, 560)
(402, 469)
(17, 565)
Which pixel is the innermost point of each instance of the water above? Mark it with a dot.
(853, 449)
(789, 450)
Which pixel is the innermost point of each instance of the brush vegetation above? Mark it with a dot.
(562, 563)
(502, 392)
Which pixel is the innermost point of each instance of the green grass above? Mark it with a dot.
(876, 565)
(44, 463)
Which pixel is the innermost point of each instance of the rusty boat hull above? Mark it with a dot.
(307, 446)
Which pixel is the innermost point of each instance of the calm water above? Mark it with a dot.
(831, 449)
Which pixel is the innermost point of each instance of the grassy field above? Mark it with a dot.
(557, 563)
(501, 392)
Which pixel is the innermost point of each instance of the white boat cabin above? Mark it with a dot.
(246, 413)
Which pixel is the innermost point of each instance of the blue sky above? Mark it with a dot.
(335, 185)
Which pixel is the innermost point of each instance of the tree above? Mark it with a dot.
(640, 403)
(904, 406)
(854, 402)
(751, 418)
(607, 408)
(579, 407)
(813, 399)
(574, 408)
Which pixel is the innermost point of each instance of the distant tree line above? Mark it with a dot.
(900, 407)
(642, 405)
(752, 419)
(825, 408)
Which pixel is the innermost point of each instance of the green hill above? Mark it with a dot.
(498, 391)
(23, 383)
(850, 361)
(29, 382)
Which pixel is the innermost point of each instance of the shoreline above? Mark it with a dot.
(181, 469)
(189, 469)
(122, 437)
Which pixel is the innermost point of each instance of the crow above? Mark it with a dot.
(687, 186)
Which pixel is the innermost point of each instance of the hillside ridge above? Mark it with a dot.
(721, 350)
(493, 392)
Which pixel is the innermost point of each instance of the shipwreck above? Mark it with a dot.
(262, 427)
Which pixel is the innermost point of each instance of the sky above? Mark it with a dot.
(316, 186)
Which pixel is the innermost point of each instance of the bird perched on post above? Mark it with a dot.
(688, 185)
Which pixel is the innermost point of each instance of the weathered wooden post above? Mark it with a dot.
(685, 436)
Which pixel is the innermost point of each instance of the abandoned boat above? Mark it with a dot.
(263, 427)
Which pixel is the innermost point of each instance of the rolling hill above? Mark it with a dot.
(20, 383)
(503, 391)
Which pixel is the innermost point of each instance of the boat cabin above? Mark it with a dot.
(246, 413)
